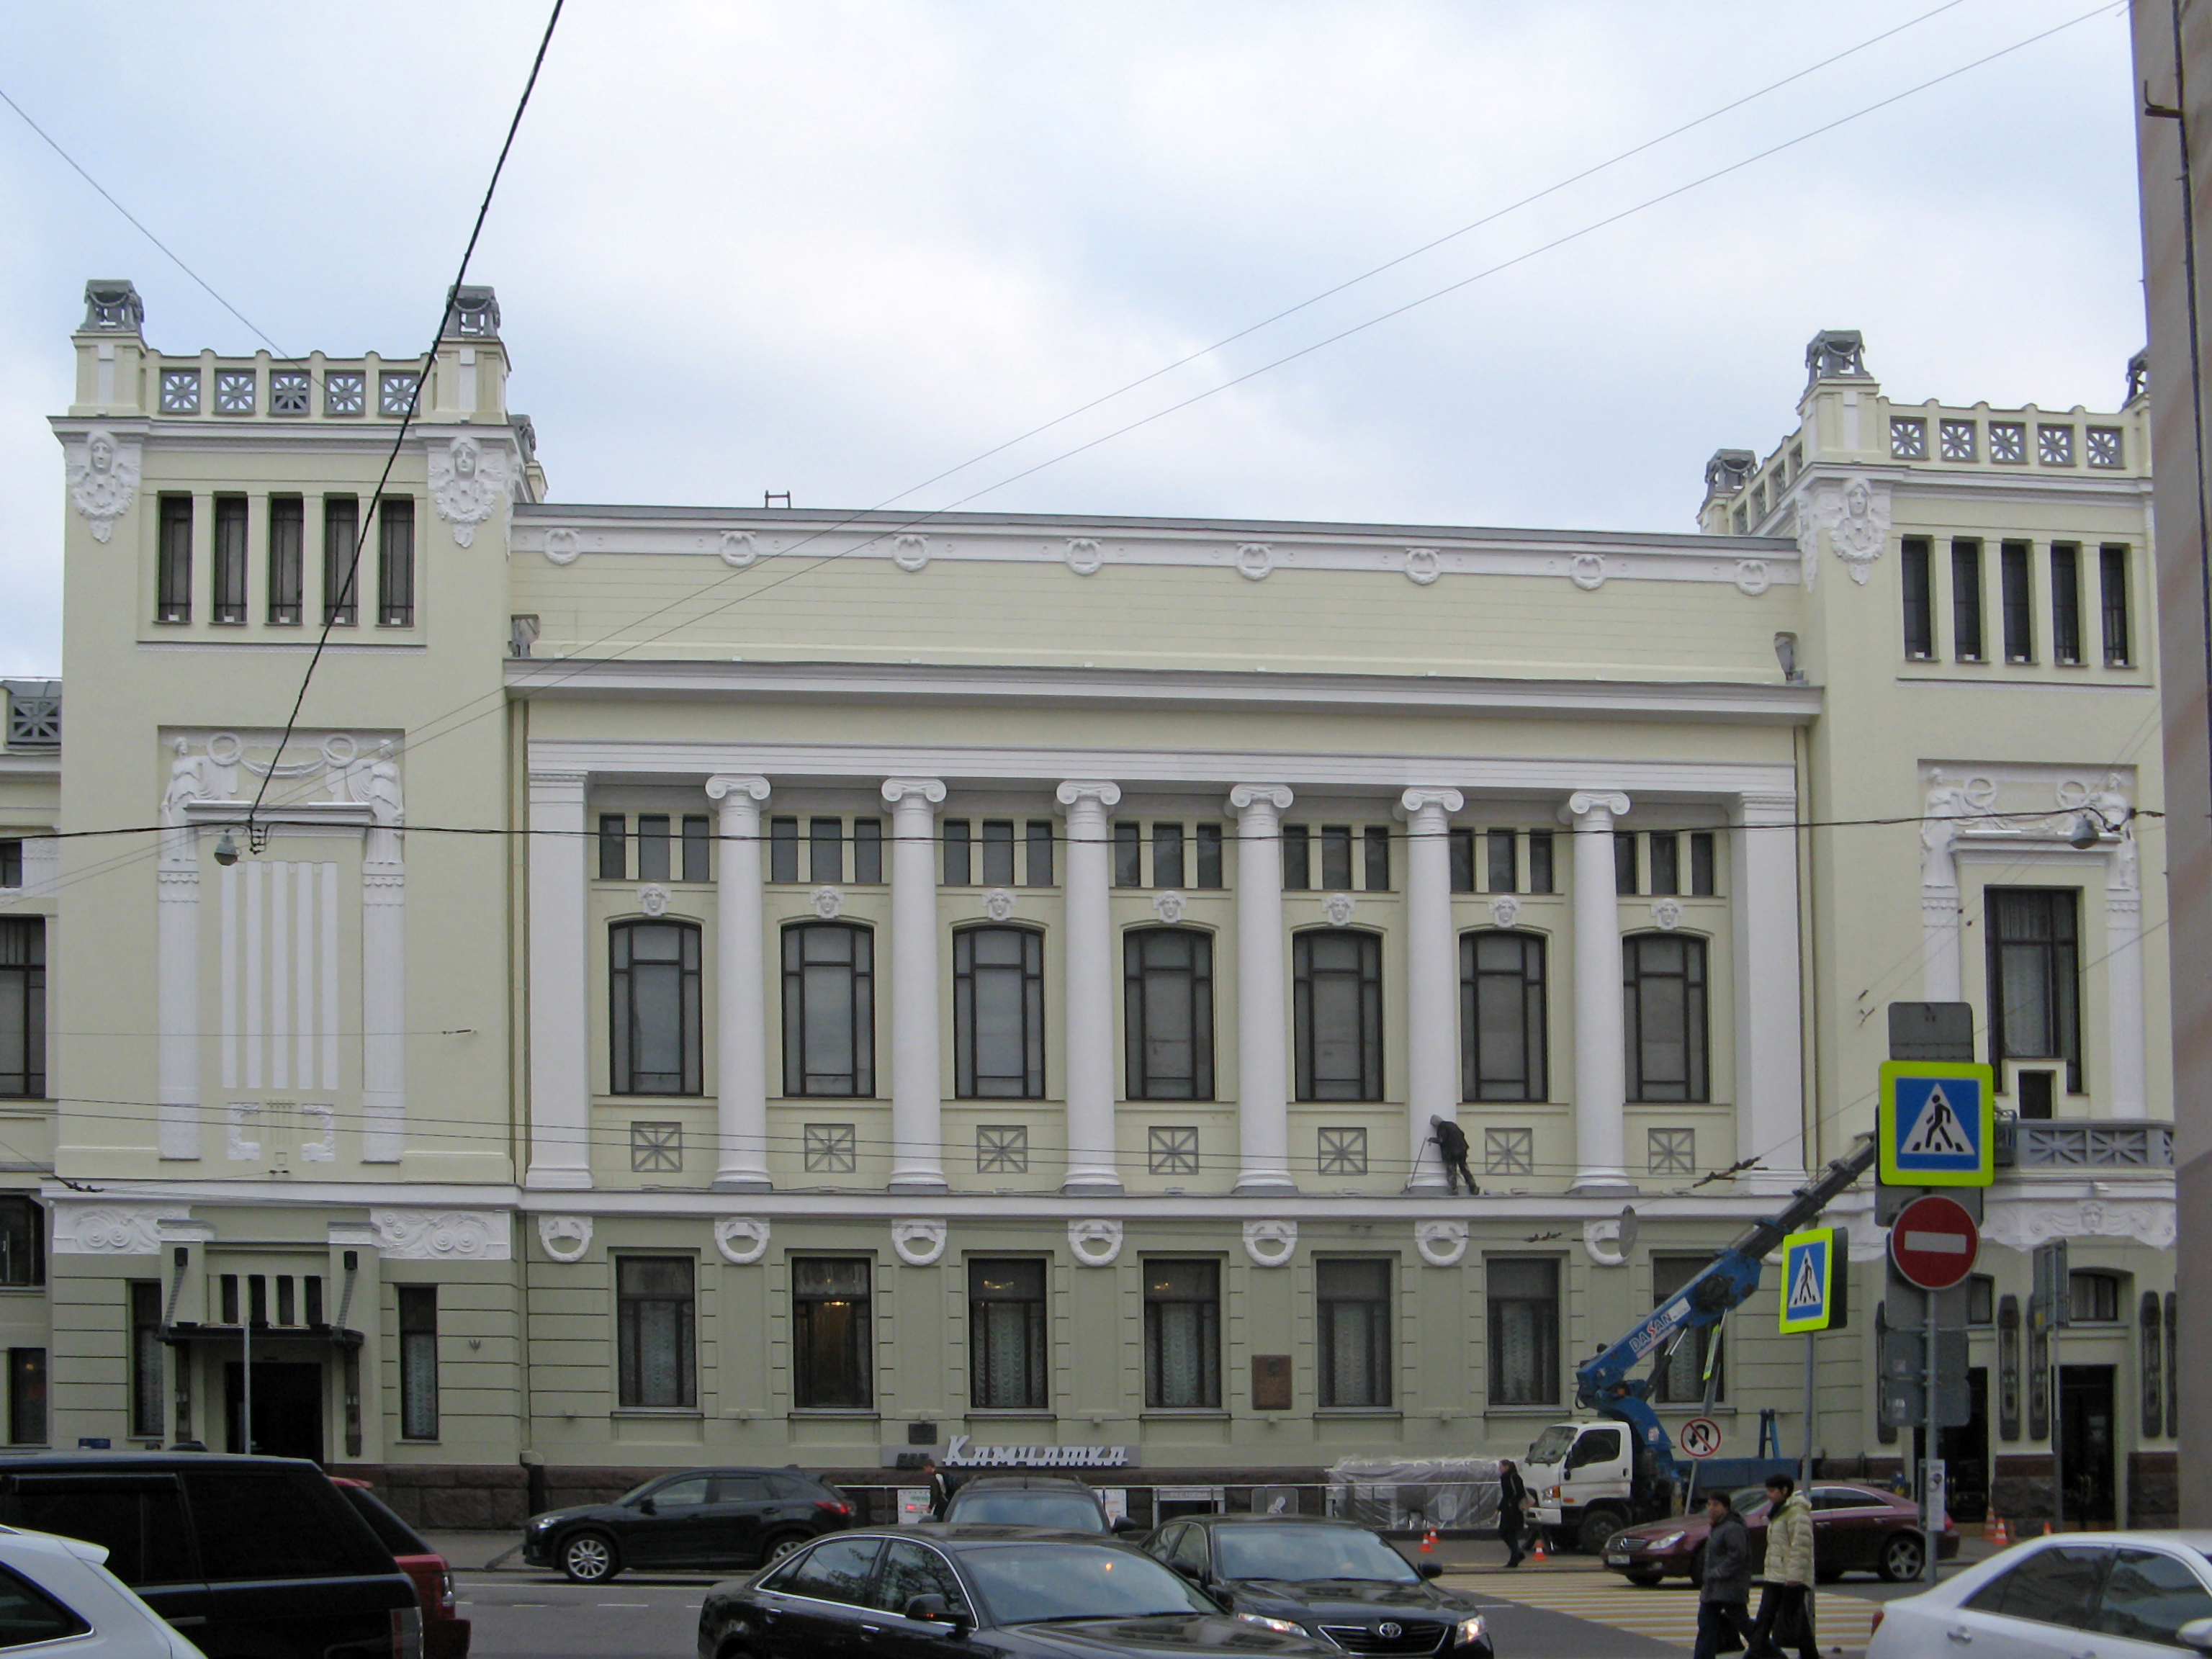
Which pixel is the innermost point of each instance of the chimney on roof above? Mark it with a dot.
(111, 307)
(471, 314)
(1836, 354)
(1729, 471)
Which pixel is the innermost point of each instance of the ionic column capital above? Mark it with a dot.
(736, 788)
(1417, 800)
(1262, 798)
(1597, 804)
(1087, 794)
(926, 791)
(1768, 809)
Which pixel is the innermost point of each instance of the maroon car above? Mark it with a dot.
(1854, 1529)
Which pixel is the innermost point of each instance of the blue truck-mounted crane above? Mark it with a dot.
(1587, 1483)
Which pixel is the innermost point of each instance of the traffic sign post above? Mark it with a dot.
(1936, 1124)
(1701, 1437)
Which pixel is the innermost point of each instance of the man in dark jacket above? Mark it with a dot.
(1451, 1149)
(940, 1489)
(1512, 1509)
(1724, 1598)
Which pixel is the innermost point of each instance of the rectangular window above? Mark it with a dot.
(2113, 569)
(1625, 873)
(825, 851)
(1503, 1044)
(1337, 1007)
(23, 1007)
(229, 601)
(1505, 864)
(1701, 864)
(287, 1299)
(1037, 869)
(998, 852)
(172, 597)
(1919, 600)
(1128, 854)
(229, 1298)
(147, 1390)
(998, 1013)
(11, 863)
(654, 1331)
(1167, 855)
(1352, 1308)
(2034, 976)
(1666, 853)
(341, 543)
(1182, 1334)
(1168, 1013)
(614, 846)
(1523, 1315)
(1540, 861)
(653, 847)
(1966, 600)
(1680, 1379)
(1665, 993)
(1336, 857)
(868, 852)
(1297, 859)
(783, 850)
(26, 1396)
(959, 872)
(833, 1348)
(653, 996)
(829, 1010)
(1006, 1336)
(2065, 603)
(695, 842)
(2019, 602)
(395, 563)
(288, 542)
(1378, 873)
(1209, 856)
(1462, 860)
(418, 1361)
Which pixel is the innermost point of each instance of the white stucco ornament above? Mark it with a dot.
(742, 1239)
(1094, 1243)
(1254, 560)
(910, 553)
(1441, 1244)
(442, 1235)
(1608, 1242)
(1666, 914)
(103, 478)
(1169, 907)
(1084, 557)
(1587, 571)
(468, 484)
(2022, 1224)
(652, 899)
(564, 1238)
(1505, 909)
(1338, 908)
(109, 1229)
(1423, 565)
(1270, 1243)
(563, 546)
(998, 902)
(1752, 576)
(739, 548)
(919, 1243)
(1858, 527)
(828, 902)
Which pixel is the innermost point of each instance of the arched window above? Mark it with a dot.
(1501, 1017)
(653, 978)
(998, 1013)
(1337, 983)
(829, 1009)
(1168, 1013)
(1664, 982)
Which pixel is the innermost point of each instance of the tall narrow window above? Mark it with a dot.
(783, 850)
(26, 1396)
(2065, 603)
(1919, 599)
(1006, 1336)
(2112, 570)
(2152, 1366)
(1297, 858)
(1680, 1379)
(418, 1362)
(695, 842)
(1037, 867)
(288, 541)
(833, 1346)
(1337, 996)
(1504, 871)
(1167, 854)
(1376, 877)
(998, 852)
(614, 846)
(1128, 854)
(341, 579)
(654, 1316)
(229, 602)
(1336, 857)
(653, 847)
(2034, 977)
(829, 1009)
(653, 983)
(1353, 1313)
(1665, 986)
(2009, 1367)
(1625, 873)
(1540, 861)
(1503, 1049)
(1182, 1334)
(825, 851)
(395, 563)
(958, 868)
(1966, 600)
(23, 1007)
(1666, 863)
(1209, 856)
(998, 1013)
(172, 597)
(1523, 1316)
(868, 852)
(22, 1241)
(1462, 857)
(147, 1390)
(2019, 602)
(1168, 1022)
(1701, 864)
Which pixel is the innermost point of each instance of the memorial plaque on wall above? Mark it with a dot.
(1271, 1382)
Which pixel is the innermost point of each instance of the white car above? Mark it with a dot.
(56, 1598)
(2074, 1595)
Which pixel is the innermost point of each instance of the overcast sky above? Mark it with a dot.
(838, 248)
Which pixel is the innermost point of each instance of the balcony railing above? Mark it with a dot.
(2082, 1144)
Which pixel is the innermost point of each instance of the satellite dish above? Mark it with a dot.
(1628, 1239)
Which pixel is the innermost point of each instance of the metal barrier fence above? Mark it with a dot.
(1387, 1506)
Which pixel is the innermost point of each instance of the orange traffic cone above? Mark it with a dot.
(1537, 1554)
(1429, 1541)
(2048, 1529)
(1997, 1534)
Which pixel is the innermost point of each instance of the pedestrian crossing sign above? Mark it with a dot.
(1810, 1262)
(1936, 1124)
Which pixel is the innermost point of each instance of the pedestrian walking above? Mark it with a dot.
(1451, 1147)
(1786, 1607)
(940, 1489)
(1512, 1509)
(1724, 1598)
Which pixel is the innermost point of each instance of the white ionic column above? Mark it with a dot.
(1432, 1036)
(917, 1082)
(2123, 981)
(741, 993)
(1770, 1081)
(1091, 989)
(177, 953)
(1263, 1092)
(560, 1012)
(1600, 1053)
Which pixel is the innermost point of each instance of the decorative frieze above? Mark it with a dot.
(443, 1234)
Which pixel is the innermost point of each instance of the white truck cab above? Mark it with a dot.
(1583, 1476)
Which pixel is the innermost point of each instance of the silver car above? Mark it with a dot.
(2074, 1595)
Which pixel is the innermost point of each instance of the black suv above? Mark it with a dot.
(712, 1518)
(1031, 1500)
(252, 1557)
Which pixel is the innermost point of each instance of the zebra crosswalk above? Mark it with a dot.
(1666, 1613)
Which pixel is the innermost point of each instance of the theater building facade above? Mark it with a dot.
(735, 986)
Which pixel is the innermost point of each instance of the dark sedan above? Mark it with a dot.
(1033, 1500)
(711, 1518)
(970, 1592)
(1331, 1579)
(1854, 1529)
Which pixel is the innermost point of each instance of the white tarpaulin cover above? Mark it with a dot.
(1460, 1493)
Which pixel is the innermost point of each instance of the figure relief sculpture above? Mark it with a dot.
(468, 484)
(1859, 532)
(1939, 823)
(104, 483)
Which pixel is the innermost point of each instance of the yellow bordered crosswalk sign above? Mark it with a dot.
(1810, 1262)
(1936, 1124)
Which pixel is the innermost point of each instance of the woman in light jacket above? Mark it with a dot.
(1785, 1608)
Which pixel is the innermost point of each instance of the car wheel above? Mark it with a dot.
(1644, 1580)
(588, 1557)
(1903, 1559)
(1597, 1526)
(781, 1546)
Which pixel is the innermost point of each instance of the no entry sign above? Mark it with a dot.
(1934, 1241)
